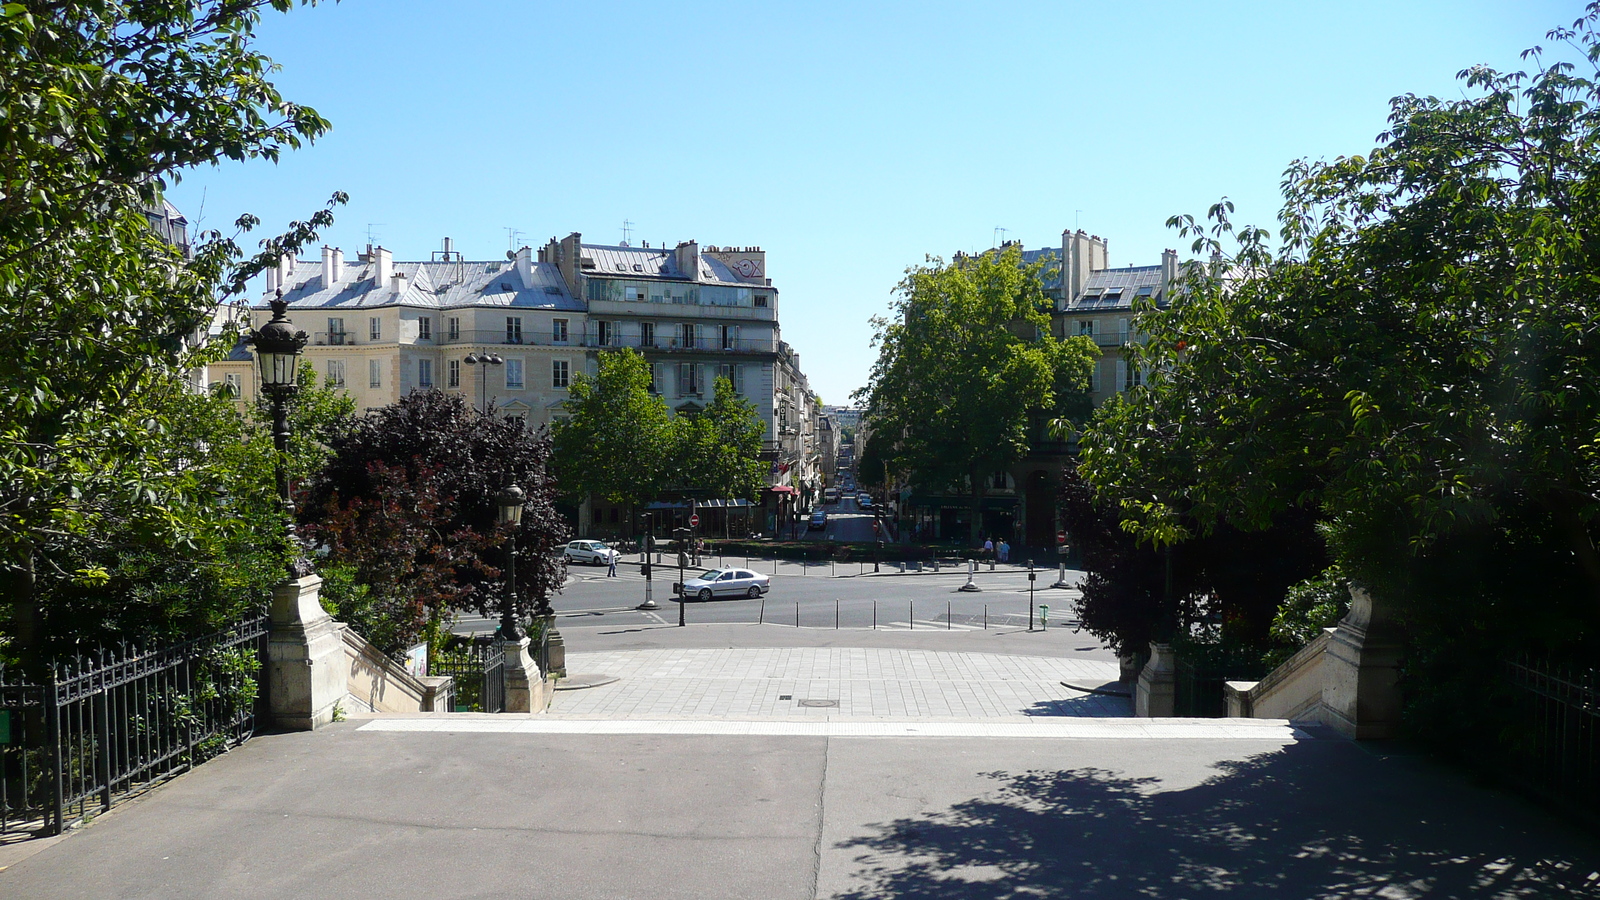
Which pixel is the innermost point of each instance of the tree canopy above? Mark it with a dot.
(968, 372)
(1413, 362)
(104, 103)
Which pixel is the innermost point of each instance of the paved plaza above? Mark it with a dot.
(830, 682)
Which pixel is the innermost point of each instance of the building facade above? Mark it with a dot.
(381, 328)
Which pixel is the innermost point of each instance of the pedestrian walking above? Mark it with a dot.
(988, 548)
(611, 570)
(1005, 551)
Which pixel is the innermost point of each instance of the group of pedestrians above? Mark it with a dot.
(1000, 551)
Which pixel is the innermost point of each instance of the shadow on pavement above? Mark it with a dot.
(1316, 819)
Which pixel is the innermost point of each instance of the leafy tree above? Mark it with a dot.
(1414, 364)
(615, 439)
(717, 452)
(967, 372)
(405, 550)
(436, 455)
(104, 103)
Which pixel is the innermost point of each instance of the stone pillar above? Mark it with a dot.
(305, 657)
(556, 649)
(1157, 691)
(1361, 671)
(525, 685)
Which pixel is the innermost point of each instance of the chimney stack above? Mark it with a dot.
(382, 268)
(332, 266)
(1169, 268)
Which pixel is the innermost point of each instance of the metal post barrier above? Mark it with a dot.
(947, 615)
(1031, 576)
(911, 606)
(874, 615)
(986, 617)
(797, 614)
(836, 614)
(762, 618)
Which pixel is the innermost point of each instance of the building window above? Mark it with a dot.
(686, 335)
(558, 331)
(689, 378)
(374, 329)
(1094, 378)
(734, 374)
(425, 373)
(605, 333)
(374, 373)
(336, 373)
(1086, 327)
(655, 378)
(453, 324)
(730, 337)
(513, 329)
(425, 328)
(633, 293)
(647, 334)
(232, 384)
(453, 373)
(335, 332)
(560, 373)
(761, 301)
(514, 374)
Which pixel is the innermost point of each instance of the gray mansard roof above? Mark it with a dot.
(1112, 289)
(654, 262)
(439, 285)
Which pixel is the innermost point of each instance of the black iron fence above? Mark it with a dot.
(479, 670)
(1199, 679)
(1553, 744)
(105, 726)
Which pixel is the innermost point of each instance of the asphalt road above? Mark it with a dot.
(850, 598)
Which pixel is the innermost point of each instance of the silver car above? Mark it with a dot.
(592, 552)
(729, 582)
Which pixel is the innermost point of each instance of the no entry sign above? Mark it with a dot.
(694, 521)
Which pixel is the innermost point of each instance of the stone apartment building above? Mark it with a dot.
(381, 328)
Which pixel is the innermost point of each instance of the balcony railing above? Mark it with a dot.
(485, 337)
(334, 338)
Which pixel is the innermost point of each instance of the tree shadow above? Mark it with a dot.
(1091, 705)
(1316, 819)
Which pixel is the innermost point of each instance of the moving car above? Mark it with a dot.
(592, 552)
(830, 495)
(727, 582)
(865, 500)
(819, 520)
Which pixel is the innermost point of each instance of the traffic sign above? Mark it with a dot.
(694, 521)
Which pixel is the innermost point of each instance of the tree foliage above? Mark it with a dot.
(1414, 362)
(104, 103)
(967, 372)
(434, 457)
(613, 442)
(717, 453)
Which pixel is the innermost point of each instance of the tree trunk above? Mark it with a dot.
(978, 492)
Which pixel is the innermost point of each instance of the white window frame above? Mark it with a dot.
(518, 367)
(453, 373)
(425, 373)
(336, 373)
(647, 334)
(424, 328)
(453, 328)
(374, 373)
(560, 374)
(559, 331)
(374, 328)
(513, 329)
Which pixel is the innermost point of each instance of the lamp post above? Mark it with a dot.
(509, 512)
(277, 347)
(485, 359)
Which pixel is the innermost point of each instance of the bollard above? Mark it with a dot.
(836, 614)
(874, 615)
(947, 615)
(970, 586)
(986, 617)
(1061, 577)
(797, 614)
(911, 607)
(762, 619)
(936, 565)
(991, 564)
(1044, 617)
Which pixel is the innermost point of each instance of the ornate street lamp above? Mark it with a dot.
(277, 347)
(485, 359)
(509, 502)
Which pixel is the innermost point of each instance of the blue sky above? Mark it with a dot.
(846, 139)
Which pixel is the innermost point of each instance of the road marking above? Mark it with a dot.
(1277, 731)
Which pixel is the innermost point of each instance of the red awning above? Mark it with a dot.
(783, 489)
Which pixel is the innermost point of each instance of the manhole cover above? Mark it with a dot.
(819, 703)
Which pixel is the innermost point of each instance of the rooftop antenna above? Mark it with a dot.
(513, 235)
(627, 231)
(372, 233)
(998, 234)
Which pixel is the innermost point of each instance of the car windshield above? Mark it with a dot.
(712, 575)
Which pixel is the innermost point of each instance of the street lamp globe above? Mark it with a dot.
(509, 503)
(277, 347)
(508, 511)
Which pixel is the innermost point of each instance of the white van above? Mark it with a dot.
(830, 495)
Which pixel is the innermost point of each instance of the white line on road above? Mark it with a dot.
(1275, 730)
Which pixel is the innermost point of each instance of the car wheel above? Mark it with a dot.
(595, 561)
(753, 593)
(705, 594)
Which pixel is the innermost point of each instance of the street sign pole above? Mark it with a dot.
(1031, 576)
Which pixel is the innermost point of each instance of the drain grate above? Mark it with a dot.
(785, 696)
(818, 704)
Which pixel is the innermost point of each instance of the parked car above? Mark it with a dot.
(728, 582)
(819, 520)
(592, 552)
(865, 500)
